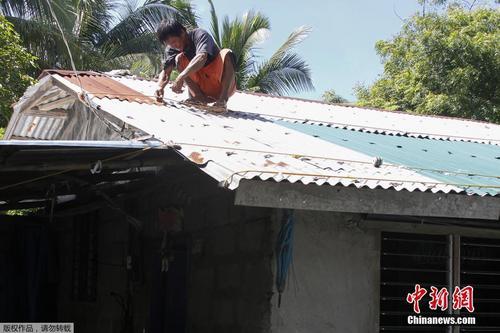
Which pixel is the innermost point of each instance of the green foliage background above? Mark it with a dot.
(15, 63)
(441, 63)
(331, 96)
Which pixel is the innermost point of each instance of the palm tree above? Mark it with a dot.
(96, 38)
(107, 34)
(33, 21)
(284, 72)
(135, 32)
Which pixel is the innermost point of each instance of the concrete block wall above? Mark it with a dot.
(334, 281)
(103, 314)
(229, 278)
(231, 281)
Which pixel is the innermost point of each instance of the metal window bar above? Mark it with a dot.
(406, 260)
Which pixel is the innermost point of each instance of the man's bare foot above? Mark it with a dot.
(198, 100)
(219, 106)
(192, 100)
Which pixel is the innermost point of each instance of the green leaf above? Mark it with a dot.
(442, 63)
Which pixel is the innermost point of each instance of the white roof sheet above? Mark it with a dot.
(247, 145)
(365, 119)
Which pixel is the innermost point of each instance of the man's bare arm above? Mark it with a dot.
(194, 65)
(162, 82)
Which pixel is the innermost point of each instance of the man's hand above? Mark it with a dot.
(177, 85)
(162, 82)
(159, 92)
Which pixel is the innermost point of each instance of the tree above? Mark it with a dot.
(133, 41)
(104, 34)
(330, 96)
(465, 4)
(101, 34)
(15, 62)
(284, 72)
(444, 64)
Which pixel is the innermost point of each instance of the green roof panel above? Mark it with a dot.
(467, 163)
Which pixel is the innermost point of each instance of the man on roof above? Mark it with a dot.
(208, 71)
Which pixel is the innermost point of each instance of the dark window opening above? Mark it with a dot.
(406, 260)
(433, 260)
(480, 268)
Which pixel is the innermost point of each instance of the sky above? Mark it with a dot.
(340, 49)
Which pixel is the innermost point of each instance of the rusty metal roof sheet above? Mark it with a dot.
(101, 85)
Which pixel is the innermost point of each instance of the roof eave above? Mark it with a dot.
(367, 201)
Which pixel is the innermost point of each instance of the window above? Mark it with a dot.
(480, 268)
(408, 259)
(433, 260)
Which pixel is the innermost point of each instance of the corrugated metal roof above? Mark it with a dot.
(32, 126)
(24, 144)
(238, 146)
(468, 159)
(39, 125)
(256, 142)
(367, 120)
(349, 117)
(101, 86)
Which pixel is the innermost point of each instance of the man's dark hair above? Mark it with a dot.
(169, 28)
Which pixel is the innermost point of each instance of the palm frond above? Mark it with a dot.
(78, 18)
(187, 11)
(93, 18)
(24, 8)
(98, 33)
(44, 40)
(135, 33)
(284, 72)
(38, 10)
(242, 36)
(289, 74)
(144, 65)
(144, 43)
(142, 20)
(214, 24)
(294, 39)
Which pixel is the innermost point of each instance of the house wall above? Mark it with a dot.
(334, 279)
(333, 286)
(333, 283)
(231, 269)
(229, 253)
(103, 314)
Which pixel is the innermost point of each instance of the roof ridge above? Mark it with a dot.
(63, 72)
(68, 72)
(349, 105)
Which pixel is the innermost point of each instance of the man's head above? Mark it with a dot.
(172, 33)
